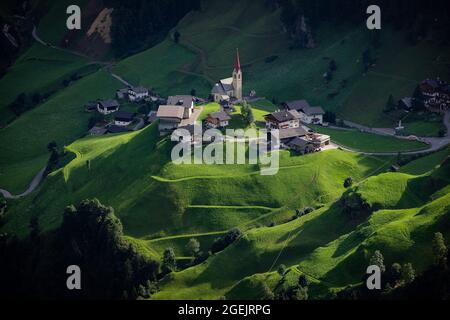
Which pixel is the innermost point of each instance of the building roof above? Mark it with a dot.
(109, 103)
(293, 132)
(299, 142)
(297, 105)
(139, 90)
(98, 130)
(221, 116)
(124, 116)
(170, 112)
(313, 111)
(432, 83)
(408, 102)
(283, 116)
(185, 101)
(152, 116)
(195, 130)
(117, 129)
(222, 87)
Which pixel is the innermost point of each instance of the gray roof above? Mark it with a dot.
(283, 116)
(313, 111)
(170, 112)
(221, 116)
(98, 130)
(139, 89)
(109, 104)
(293, 132)
(117, 129)
(407, 101)
(298, 142)
(297, 105)
(124, 116)
(221, 88)
(185, 101)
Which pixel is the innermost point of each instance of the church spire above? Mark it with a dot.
(237, 64)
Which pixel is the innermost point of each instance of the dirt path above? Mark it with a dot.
(33, 185)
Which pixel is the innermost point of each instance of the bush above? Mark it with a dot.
(223, 242)
(348, 182)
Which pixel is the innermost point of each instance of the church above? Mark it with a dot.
(229, 89)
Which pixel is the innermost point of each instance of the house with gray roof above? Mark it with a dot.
(107, 106)
(218, 119)
(307, 113)
(283, 119)
(187, 102)
(170, 118)
(137, 93)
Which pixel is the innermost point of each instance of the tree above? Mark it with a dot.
(329, 117)
(332, 66)
(267, 292)
(395, 273)
(169, 262)
(418, 102)
(176, 36)
(439, 250)
(408, 273)
(281, 270)
(348, 182)
(193, 247)
(390, 105)
(301, 293)
(193, 92)
(303, 281)
(378, 260)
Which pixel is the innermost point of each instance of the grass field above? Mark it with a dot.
(367, 142)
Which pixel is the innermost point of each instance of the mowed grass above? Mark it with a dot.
(61, 119)
(159, 68)
(154, 198)
(426, 164)
(323, 246)
(39, 70)
(368, 142)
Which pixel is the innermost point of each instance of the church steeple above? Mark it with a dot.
(237, 63)
(237, 77)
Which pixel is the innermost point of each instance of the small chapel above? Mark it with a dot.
(230, 89)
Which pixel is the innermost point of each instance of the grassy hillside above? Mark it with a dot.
(324, 246)
(210, 37)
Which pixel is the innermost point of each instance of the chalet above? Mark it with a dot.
(107, 106)
(283, 119)
(90, 107)
(307, 113)
(97, 131)
(218, 119)
(170, 118)
(137, 93)
(301, 145)
(123, 119)
(187, 102)
(436, 95)
(195, 134)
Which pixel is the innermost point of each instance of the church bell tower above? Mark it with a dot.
(237, 77)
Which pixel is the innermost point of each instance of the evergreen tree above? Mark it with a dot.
(439, 250)
(169, 262)
(193, 247)
(408, 273)
(378, 260)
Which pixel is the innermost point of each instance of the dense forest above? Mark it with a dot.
(138, 24)
(416, 17)
(90, 237)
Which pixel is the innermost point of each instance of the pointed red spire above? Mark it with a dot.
(237, 64)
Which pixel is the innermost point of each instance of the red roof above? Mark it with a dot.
(237, 64)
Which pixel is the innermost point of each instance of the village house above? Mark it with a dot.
(137, 93)
(187, 102)
(218, 119)
(123, 119)
(108, 106)
(229, 89)
(283, 119)
(308, 114)
(117, 129)
(151, 117)
(97, 131)
(195, 134)
(170, 118)
(436, 95)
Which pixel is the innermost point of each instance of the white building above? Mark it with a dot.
(107, 106)
(137, 93)
(308, 114)
(123, 119)
(187, 102)
(229, 88)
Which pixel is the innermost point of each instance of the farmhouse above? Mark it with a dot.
(117, 129)
(107, 106)
(170, 118)
(218, 119)
(230, 88)
(187, 102)
(436, 95)
(302, 139)
(194, 134)
(123, 119)
(137, 93)
(283, 119)
(307, 113)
